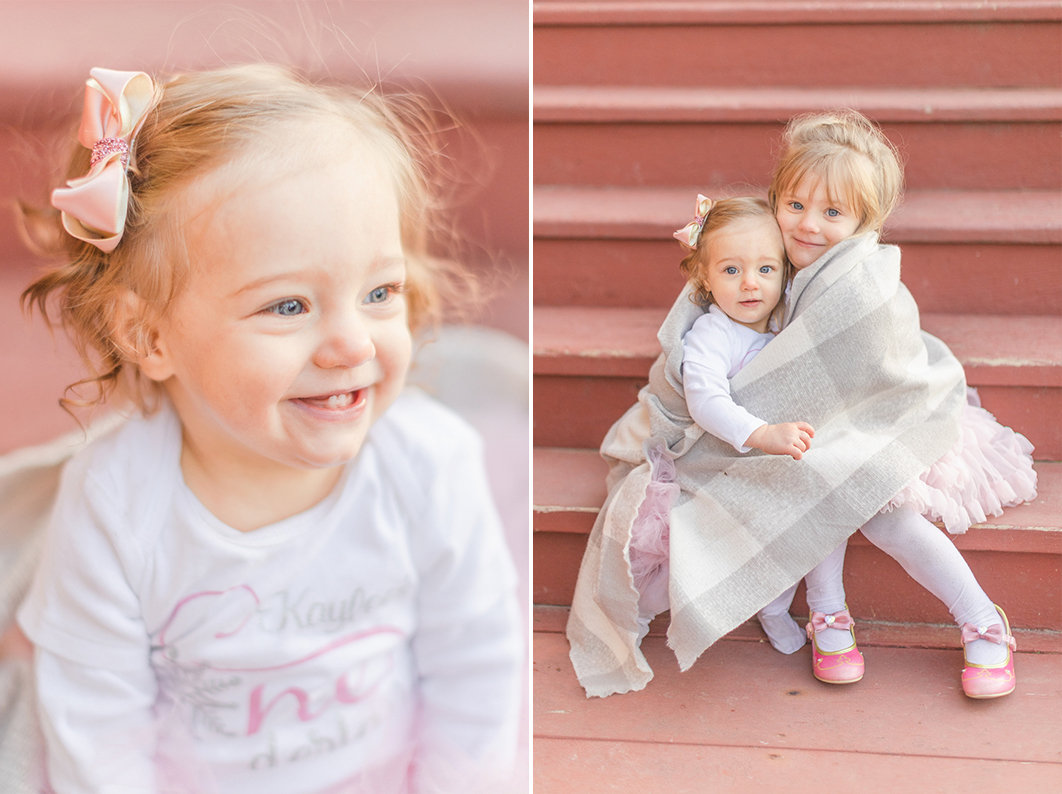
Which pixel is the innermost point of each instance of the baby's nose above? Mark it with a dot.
(346, 343)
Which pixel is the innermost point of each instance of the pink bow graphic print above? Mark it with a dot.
(94, 206)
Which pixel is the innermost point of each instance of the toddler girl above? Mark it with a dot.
(284, 574)
(838, 177)
(737, 272)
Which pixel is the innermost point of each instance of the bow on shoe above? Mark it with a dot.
(691, 232)
(838, 620)
(993, 633)
(94, 206)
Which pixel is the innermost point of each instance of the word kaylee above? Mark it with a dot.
(284, 612)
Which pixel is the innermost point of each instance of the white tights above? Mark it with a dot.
(928, 557)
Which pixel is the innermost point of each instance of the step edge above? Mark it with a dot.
(551, 619)
(839, 12)
(669, 104)
(546, 353)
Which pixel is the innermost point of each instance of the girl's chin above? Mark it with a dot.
(318, 459)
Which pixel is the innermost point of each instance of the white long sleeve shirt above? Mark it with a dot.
(345, 645)
(713, 351)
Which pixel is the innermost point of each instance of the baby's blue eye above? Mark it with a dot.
(833, 213)
(796, 205)
(731, 271)
(378, 295)
(288, 308)
(766, 269)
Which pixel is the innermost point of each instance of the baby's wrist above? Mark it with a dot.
(756, 436)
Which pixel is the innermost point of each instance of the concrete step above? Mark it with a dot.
(797, 42)
(970, 139)
(590, 362)
(595, 245)
(1017, 557)
(745, 719)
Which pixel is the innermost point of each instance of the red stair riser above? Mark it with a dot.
(973, 156)
(578, 411)
(947, 278)
(1028, 586)
(1010, 54)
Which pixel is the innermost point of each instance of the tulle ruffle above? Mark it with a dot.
(988, 468)
(650, 536)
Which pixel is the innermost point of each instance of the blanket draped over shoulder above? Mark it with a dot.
(884, 399)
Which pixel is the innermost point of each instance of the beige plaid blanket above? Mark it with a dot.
(884, 399)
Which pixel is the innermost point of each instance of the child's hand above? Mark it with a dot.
(788, 438)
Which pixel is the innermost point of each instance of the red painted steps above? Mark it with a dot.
(745, 719)
(634, 96)
(963, 138)
(599, 245)
(797, 42)
(1017, 556)
(590, 362)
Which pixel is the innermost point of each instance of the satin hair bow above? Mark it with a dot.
(994, 633)
(94, 206)
(691, 232)
(838, 620)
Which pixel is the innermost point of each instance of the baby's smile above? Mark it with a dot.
(339, 401)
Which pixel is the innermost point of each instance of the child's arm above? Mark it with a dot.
(95, 685)
(711, 352)
(468, 646)
(98, 726)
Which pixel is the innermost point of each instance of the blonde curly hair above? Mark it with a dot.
(239, 117)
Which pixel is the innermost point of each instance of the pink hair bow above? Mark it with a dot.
(691, 232)
(993, 633)
(838, 620)
(94, 206)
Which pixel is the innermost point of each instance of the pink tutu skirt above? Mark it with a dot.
(988, 468)
(650, 534)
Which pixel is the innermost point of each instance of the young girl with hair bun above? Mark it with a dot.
(284, 572)
(839, 177)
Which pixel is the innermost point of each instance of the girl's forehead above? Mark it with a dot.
(258, 168)
(742, 230)
(810, 183)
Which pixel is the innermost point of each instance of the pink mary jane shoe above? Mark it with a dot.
(835, 667)
(983, 681)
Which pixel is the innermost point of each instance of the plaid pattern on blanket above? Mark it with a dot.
(884, 399)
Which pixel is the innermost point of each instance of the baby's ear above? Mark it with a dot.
(135, 333)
